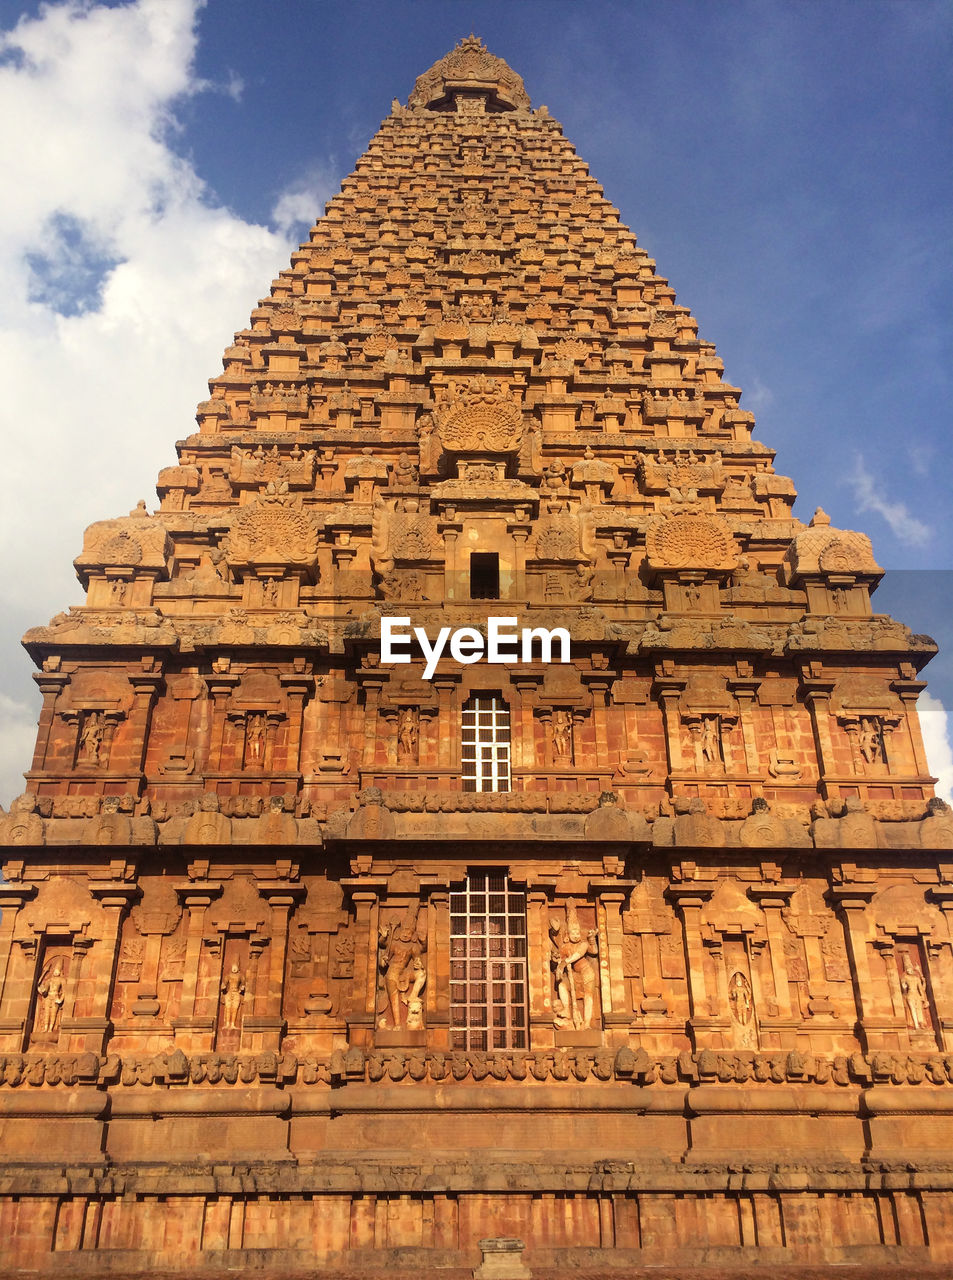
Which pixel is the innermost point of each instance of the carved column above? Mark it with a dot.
(12, 1019)
(943, 989)
(773, 899)
(362, 1006)
(599, 685)
(524, 732)
(668, 690)
(147, 684)
(373, 684)
(616, 1007)
(745, 691)
(437, 990)
(197, 896)
(298, 685)
(91, 1032)
(220, 686)
(72, 1029)
(448, 723)
(909, 690)
(817, 695)
(689, 898)
(266, 1023)
(853, 900)
(538, 950)
(51, 686)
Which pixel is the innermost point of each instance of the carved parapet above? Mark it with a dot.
(821, 551)
(138, 543)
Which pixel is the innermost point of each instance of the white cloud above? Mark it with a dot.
(757, 395)
(935, 725)
(871, 497)
(298, 208)
(122, 280)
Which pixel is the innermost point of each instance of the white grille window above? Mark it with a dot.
(486, 743)
(487, 963)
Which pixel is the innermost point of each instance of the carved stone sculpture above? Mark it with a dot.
(51, 991)
(914, 993)
(574, 974)
(404, 970)
(233, 996)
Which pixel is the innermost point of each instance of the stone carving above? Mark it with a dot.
(111, 826)
(558, 539)
(706, 743)
(820, 550)
(22, 825)
(480, 419)
(208, 825)
(233, 997)
(404, 971)
(408, 735)
(255, 730)
(259, 467)
(561, 735)
(137, 541)
(91, 738)
(51, 993)
(271, 531)
(372, 820)
(574, 974)
(469, 66)
(870, 739)
(405, 471)
(739, 998)
(914, 991)
(690, 541)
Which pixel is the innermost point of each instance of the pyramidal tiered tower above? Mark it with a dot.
(615, 921)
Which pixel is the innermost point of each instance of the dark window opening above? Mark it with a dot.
(484, 575)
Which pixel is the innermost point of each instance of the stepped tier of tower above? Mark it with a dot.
(472, 355)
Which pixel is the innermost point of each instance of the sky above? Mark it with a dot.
(789, 166)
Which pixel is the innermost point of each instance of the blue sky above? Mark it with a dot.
(789, 165)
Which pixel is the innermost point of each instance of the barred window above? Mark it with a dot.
(488, 964)
(486, 743)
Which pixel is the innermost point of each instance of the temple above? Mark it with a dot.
(628, 952)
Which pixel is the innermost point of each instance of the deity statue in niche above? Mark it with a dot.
(233, 997)
(561, 735)
(52, 994)
(91, 738)
(255, 739)
(870, 740)
(741, 1009)
(573, 972)
(404, 971)
(914, 992)
(707, 742)
(408, 735)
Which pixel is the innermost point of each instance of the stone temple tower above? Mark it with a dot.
(325, 947)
